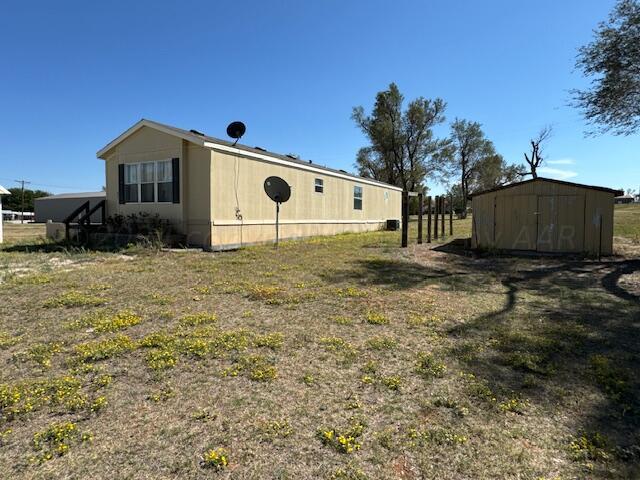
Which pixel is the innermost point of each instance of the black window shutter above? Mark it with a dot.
(175, 172)
(121, 197)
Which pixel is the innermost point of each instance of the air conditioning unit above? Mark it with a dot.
(393, 225)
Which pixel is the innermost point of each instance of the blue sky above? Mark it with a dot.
(77, 74)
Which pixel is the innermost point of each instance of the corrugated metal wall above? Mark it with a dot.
(544, 216)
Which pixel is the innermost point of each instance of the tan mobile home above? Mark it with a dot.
(544, 215)
(212, 191)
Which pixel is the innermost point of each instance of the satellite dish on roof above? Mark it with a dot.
(279, 191)
(236, 130)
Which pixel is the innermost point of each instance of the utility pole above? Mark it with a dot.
(22, 182)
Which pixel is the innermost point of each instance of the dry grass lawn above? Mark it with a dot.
(340, 358)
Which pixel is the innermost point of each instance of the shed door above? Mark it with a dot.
(515, 222)
(561, 223)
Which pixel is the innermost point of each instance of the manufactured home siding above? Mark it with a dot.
(242, 213)
(544, 216)
(222, 199)
(191, 215)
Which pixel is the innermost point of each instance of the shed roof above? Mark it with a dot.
(73, 195)
(4, 191)
(227, 146)
(552, 180)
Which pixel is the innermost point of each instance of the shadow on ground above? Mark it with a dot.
(568, 331)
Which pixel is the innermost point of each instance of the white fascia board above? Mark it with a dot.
(310, 167)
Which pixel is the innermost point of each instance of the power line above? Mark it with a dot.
(48, 185)
(22, 201)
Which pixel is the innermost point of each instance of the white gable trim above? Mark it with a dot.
(4, 191)
(148, 123)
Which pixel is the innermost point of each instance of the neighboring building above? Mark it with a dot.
(58, 207)
(14, 216)
(625, 199)
(212, 191)
(3, 191)
(544, 215)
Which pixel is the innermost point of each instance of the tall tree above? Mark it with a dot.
(467, 153)
(403, 148)
(612, 60)
(13, 201)
(535, 158)
(492, 172)
(495, 172)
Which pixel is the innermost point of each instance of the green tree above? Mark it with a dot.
(492, 172)
(467, 154)
(14, 200)
(612, 60)
(403, 149)
(495, 172)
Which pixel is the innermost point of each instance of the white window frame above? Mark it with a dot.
(155, 180)
(316, 185)
(358, 198)
(137, 183)
(155, 173)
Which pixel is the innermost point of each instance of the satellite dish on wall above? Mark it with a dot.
(279, 191)
(236, 130)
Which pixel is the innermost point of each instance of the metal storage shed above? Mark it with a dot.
(544, 215)
(58, 207)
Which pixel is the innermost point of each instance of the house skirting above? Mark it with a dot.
(235, 234)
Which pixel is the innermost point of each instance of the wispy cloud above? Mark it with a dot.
(557, 173)
(561, 161)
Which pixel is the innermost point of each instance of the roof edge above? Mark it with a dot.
(151, 124)
(545, 179)
(227, 147)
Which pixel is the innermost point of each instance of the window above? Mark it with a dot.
(164, 177)
(131, 183)
(319, 185)
(357, 198)
(147, 182)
